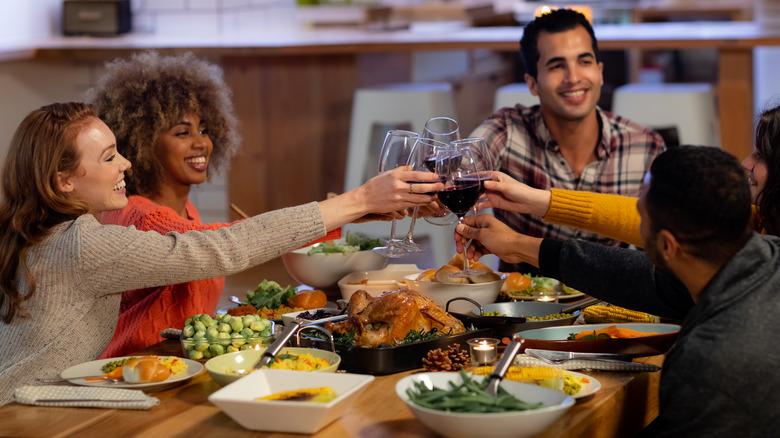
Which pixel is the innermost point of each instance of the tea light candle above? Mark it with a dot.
(546, 296)
(483, 351)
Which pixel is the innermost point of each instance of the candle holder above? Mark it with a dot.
(546, 296)
(483, 351)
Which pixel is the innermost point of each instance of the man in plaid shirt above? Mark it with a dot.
(566, 141)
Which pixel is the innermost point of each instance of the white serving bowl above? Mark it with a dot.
(322, 271)
(376, 282)
(488, 425)
(223, 369)
(237, 400)
(441, 293)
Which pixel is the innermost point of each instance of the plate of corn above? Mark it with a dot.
(575, 384)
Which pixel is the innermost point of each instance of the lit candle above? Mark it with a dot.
(483, 351)
(587, 11)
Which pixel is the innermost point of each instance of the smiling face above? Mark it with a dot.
(184, 151)
(569, 79)
(757, 173)
(99, 179)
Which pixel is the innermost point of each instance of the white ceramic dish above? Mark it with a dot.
(441, 293)
(556, 287)
(323, 271)
(95, 368)
(488, 425)
(237, 400)
(227, 368)
(335, 314)
(376, 282)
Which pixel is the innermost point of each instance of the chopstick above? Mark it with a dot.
(238, 211)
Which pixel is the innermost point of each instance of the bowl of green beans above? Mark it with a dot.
(456, 405)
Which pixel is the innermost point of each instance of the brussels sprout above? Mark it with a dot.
(236, 323)
(217, 349)
(222, 327)
(207, 354)
(224, 338)
(247, 332)
(201, 345)
(200, 334)
(199, 326)
(189, 346)
(248, 319)
(260, 325)
(195, 354)
(245, 347)
(206, 320)
(225, 319)
(237, 339)
(231, 349)
(188, 321)
(212, 335)
(188, 331)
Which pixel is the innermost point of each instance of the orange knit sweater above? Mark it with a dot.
(143, 313)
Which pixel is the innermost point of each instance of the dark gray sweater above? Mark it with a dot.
(720, 379)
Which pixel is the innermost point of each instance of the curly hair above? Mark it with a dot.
(43, 145)
(143, 96)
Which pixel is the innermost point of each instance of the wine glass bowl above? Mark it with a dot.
(395, 152)
(447, 130)
(460, 172)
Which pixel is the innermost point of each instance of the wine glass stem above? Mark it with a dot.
(392, 233)
(410, 234)
(465, 248)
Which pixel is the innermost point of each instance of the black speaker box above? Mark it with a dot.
(96, 17)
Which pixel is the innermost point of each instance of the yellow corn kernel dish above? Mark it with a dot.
(547, 377)
(615, 314)
(323, 394)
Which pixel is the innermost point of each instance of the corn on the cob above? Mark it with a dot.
(323, 395)
(609, 313)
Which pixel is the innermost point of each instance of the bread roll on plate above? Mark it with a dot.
(516, 282)
(443, 275)
(427, 275)
(145, 369)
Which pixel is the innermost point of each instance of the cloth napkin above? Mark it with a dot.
(524, 360)
(85, 397)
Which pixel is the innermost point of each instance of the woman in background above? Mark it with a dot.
(173, 119)
(62, 273)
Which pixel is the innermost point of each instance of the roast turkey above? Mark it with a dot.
(388, 318)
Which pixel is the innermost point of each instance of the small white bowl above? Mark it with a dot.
(517, 424)
(237, 400)
(322, 271)
(441, 293)
(376, 282)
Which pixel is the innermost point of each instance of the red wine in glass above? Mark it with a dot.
(461, 197)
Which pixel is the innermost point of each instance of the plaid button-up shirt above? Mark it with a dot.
(521, 146)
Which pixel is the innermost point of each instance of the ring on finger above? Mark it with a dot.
(410, 189)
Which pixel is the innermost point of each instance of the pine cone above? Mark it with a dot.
(452, 359)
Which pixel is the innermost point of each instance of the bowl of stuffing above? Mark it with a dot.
(228, 368)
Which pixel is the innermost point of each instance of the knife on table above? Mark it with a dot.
(563, 356)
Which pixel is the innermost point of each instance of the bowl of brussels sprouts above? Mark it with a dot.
(204, 337)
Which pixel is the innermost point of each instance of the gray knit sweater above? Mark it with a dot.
(82, 268)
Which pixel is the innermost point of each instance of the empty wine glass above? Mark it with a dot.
(422, 159)
(461, 173)
(395, 152)
(446, 130)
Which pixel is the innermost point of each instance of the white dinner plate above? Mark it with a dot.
(556, 286)
(587, 389)
(94, 368)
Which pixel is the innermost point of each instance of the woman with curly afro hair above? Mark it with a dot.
(173, 119)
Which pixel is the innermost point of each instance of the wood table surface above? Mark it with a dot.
(625, 403)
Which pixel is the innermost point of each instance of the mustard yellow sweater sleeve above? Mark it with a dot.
(613, 216)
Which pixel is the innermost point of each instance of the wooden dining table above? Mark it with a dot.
(626, 402)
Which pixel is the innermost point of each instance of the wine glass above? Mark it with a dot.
(446, 130)
(460, 171)
(422, 159)
(481, 156)
(395, 152)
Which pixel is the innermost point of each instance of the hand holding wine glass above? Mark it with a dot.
(446, 130)
(460, 172)
(395, 152)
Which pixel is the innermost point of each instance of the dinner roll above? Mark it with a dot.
(426, 275)
(145, 369)
(443, 275)
(516, 282)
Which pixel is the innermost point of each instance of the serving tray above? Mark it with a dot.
(395, 359)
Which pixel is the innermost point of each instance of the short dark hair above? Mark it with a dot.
(700, 195)
(767, 144)
(559, 20)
